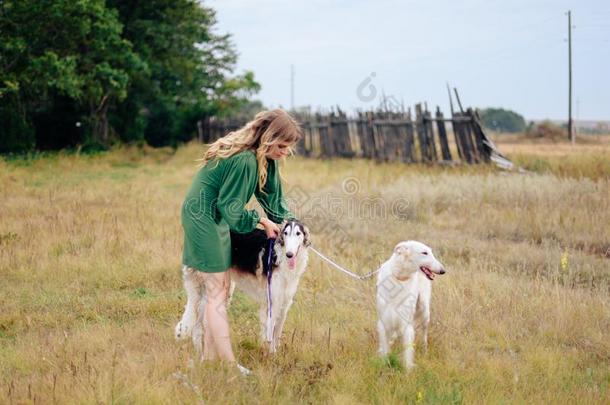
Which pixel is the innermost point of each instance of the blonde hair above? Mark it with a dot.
(265, 130)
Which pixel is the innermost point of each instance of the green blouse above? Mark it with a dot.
(215, 203)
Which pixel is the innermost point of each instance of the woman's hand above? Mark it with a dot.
(271, 228)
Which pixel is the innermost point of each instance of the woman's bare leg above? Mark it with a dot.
(217, 288)
(209, 347)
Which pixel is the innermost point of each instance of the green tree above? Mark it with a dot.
(53, 50)
(248, 110)
(502, 120)
(125, 70)
(190, 72)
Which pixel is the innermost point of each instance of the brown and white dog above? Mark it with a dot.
(247, 273)
(404, 289)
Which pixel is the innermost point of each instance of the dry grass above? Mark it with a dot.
(589, 157)
(90, 251)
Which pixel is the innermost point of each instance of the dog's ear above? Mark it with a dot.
(402, 249)
(276, 255)
(280, 236)
(306, 236)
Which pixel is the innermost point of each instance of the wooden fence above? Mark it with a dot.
(386, 136)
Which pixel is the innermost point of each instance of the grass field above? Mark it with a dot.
(90, 250)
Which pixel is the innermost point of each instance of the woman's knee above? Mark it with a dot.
(217, 286)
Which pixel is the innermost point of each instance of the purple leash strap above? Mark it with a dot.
(267, 264)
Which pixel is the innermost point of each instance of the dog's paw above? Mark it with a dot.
(182, 330)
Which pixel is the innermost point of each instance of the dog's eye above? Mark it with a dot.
(424, 253)
(298, 233)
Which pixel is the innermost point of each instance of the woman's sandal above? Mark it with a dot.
(243, 370)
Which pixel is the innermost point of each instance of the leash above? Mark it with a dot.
(269, 268)
(349, 273)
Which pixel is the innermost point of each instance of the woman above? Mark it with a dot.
(235, 167)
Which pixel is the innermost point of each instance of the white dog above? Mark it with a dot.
(404, 287)
(248, 251)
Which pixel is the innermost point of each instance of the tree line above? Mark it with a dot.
(91, 73)
(501, 120)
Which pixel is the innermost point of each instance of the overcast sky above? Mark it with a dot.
(510, 54)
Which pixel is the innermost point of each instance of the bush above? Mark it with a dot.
(546, 130)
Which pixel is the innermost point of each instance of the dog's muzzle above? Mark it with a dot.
(292, 259)
(429, 273)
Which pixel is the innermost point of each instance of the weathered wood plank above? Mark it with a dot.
(442, 135)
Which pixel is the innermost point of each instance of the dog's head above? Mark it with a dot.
(294, 238)
(411, 256)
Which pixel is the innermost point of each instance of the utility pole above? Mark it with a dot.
(570, 123)
(292, 87)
